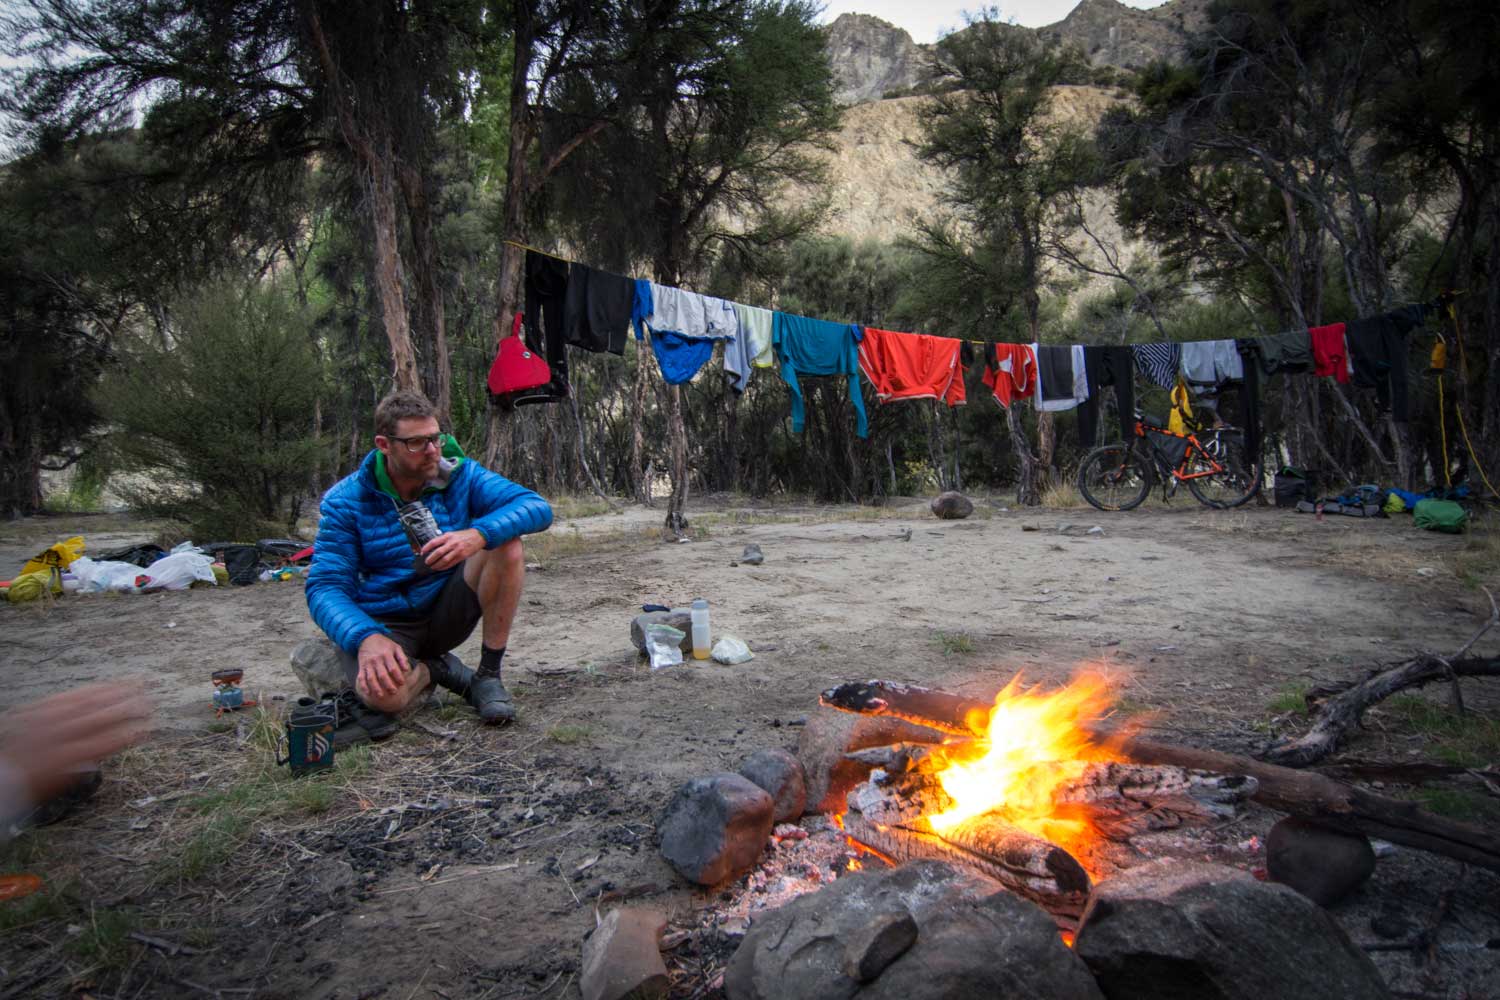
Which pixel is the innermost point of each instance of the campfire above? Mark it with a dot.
(1022, 790)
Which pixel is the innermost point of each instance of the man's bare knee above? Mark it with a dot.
(412, 688)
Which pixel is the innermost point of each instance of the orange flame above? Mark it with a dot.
(1026, 729)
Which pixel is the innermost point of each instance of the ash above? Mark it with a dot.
(801, 858)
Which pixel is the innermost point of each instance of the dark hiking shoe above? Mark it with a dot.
(490, 699)
(62, 805)
(353, 717)
(449, 673)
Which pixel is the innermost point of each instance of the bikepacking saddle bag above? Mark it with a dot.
(518, 370)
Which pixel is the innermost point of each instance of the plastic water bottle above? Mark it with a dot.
(700, 629)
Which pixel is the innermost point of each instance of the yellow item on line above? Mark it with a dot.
(1443, 428)
(1181, 420)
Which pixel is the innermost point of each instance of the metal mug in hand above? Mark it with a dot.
(420, 527)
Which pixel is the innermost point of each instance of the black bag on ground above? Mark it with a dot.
(1171, 447)
(242, 562)
(1292, 485)
(136, 555)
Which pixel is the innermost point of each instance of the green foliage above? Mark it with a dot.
(213, 425)
(955, 643)
(1290, 700)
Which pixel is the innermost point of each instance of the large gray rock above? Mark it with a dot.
(622, 958)
(1174, 930)
(752, 556)
(921, 932)
(319, 666)
(872, 58)
(715, 828)
(829, 734)
(680, 619)
(780, 774)
(952, 506)
(1324, 865)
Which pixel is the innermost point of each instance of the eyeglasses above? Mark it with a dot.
(419, 444)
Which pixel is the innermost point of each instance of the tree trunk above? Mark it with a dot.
(639, 476)
(676, 523)
(1027, 494)
(430, 312)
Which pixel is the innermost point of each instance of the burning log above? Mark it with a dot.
(1118, 800)
(1023, 863)
(1298, 793)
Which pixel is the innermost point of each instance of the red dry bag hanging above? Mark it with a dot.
(517, 367)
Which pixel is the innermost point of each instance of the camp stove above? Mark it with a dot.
(228, 695)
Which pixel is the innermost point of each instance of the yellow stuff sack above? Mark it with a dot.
(59, 556)
(31, 586)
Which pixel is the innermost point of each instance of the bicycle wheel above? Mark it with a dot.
(1238, 481)
(1115, 477)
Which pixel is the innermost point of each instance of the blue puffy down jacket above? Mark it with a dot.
(362, 566)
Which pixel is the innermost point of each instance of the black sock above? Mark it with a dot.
(489, 659)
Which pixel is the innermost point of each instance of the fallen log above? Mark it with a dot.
(1332, 803)
(1299, 793)
(1022, 863)
(1342, 710)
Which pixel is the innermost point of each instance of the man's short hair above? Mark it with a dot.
(403, 404)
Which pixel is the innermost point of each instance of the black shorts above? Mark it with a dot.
(447, 624)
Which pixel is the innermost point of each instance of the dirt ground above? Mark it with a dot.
(460, 861)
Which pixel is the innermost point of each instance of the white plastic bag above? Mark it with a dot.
(664, 644)
(732, 650)
(97, 577)
(179, 570)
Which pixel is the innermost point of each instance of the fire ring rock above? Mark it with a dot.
(780, 774)
(682, 620)
(923, 931)
(622, 958)
(952, 506)
(1324, 865)
(715, 828)
(1180, 930)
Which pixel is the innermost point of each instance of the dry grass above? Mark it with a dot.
(1063, 496)
(563, 542)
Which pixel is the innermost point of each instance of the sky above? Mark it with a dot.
(926, 21)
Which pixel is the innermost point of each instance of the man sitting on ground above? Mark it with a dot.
(414, 549)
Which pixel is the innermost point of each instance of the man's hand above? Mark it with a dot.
(383, 665)
(451, 548)
(49, 741)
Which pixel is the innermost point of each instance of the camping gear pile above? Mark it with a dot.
(62, 568)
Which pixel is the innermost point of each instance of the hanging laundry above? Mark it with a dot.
(755, 327)
(912, 366)
(1251, 352)
(1107, 366)
(1181, 420)
(751, 347)
(597, 309)
(1010, 372)
(680, 357)
(1208, 364)
(806, 346)
(1159, 362)
(1378, 349)
(1289, 352)
(1330, 355)
(640, 310)
(690, 314)
(546, 287)
(1062, 381)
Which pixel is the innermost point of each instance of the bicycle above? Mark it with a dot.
(1214, 466)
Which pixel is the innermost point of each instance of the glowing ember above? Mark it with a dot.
(1036, 741)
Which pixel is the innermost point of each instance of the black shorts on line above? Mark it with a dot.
(448, 624)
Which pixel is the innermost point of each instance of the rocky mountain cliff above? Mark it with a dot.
(873, 58)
